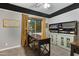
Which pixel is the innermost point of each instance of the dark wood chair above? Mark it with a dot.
(43, 45)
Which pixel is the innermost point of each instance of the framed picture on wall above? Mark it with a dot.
(11, 23)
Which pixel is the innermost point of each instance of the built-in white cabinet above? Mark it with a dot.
(62, 40)
(62, 34)
(65, 40)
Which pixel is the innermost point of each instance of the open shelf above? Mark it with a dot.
(64, 27)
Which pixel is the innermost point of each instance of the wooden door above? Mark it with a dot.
(24, 36)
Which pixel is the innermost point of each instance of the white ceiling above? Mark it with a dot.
(53, 8)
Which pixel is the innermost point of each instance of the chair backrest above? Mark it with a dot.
(44, 41)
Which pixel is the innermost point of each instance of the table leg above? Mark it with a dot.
(39, 51)
(72, 51)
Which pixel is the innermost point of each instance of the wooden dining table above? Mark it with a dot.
(36, 43)
(74, 47)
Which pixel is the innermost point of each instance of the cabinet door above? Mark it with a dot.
(61, 41)
(51, 40)
(64, 40)
(54, 38)
(69, 39)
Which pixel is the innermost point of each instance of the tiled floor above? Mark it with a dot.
(56, 51)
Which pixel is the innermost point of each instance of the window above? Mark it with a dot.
(35, 25)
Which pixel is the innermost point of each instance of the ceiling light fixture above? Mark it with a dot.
(46, 5)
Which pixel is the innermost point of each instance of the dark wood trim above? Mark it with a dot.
(12, 7)
(64, 10)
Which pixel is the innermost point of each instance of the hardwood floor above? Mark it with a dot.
(18, 52)
(56, 51)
